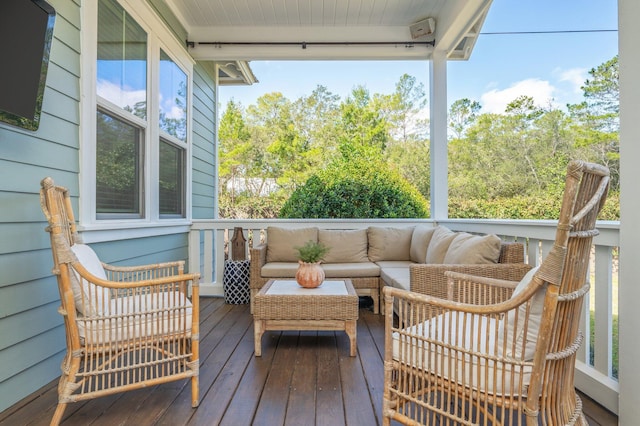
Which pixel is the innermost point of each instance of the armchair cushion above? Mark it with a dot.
(139, 316)
(473, 249)
(533, 321)
(464, 333)
(281, 242)
(389, 243)
(89, 298)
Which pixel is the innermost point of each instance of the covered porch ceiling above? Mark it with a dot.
(245, 30)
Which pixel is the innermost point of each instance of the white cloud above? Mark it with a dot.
(122, 97)
(575, 77)
(495, 101)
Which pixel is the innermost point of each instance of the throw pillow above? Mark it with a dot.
(420, 242)
(439, 244)
(473, 249)
(89, 297)
(519, 351)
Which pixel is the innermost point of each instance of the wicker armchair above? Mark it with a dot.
(498, 351)
(126, 327)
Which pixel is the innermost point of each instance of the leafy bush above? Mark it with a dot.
(357, 188)
(542, 206)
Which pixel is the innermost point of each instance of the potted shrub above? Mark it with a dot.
(309, 273)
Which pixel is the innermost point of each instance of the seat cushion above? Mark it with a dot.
(395, 263)
(282, 242)
(279, 269)
(473, 249)
(464, 333)
(350, 270)
(396, 277)
(89, 298)
(345, 245)
(389, 243)
(139, 316)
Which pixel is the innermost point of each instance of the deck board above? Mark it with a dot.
(302, 378)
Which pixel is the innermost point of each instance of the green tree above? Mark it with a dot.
(597, 118)
(462, 114)
(363, 130)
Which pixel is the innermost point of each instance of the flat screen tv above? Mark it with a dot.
(26, 31)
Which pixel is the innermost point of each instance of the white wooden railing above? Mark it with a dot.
(208, 240)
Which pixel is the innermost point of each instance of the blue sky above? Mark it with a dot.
(548, 67)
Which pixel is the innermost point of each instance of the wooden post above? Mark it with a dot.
(238, 245)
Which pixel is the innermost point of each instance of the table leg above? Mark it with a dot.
(351, 328)
(258, 331)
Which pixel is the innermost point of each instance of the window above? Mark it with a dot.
(140, 159)
(119, 160)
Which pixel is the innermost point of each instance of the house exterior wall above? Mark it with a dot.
(32, 340)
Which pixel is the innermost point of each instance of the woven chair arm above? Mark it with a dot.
(162, 268)
(477, 290)
(117, 281)
(430, 279)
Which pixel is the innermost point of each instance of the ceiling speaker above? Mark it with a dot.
(424, 28)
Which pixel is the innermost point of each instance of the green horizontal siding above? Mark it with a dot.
(33, 343)
(204, 146)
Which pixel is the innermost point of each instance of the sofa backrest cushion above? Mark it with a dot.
(473, 249)
(439, 244)
(389, 243)
(345, 245)
(420, 242)
(282, 242)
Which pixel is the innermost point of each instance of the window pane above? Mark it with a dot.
(122, 59)
(173, 98)
(171, 180)
(118, 167)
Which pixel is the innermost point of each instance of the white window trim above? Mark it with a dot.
(159, 37)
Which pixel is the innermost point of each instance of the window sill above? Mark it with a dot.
(125, 230)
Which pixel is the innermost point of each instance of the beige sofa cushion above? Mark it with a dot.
(420, 240)
(439, 244)
(345, 246)
(473, 249)
(350, 270)
(389, 243)
(281, 242)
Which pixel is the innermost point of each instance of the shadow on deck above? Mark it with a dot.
(302, 378)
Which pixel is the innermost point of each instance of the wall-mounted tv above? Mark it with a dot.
(26, 32)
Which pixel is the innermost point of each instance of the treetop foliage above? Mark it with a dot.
(276, 153)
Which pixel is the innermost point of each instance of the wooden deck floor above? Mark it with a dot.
(302, 378)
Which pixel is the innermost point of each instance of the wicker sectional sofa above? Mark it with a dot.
(412, 258)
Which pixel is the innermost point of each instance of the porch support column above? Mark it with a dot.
(438, 136)
(629, 273)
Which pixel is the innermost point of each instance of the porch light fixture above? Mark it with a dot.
(425, 28)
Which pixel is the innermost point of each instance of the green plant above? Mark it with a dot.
(359, 188)
(312, 251)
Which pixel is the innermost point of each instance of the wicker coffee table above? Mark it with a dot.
(284, 305)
